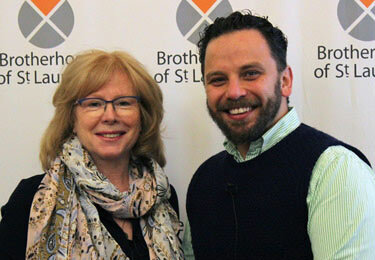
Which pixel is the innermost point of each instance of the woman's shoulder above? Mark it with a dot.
(24, 192)
(15, 216)
(29, 184)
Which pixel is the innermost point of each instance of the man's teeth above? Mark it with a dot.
(111, 135)
(239, 110)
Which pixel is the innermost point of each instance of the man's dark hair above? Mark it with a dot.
(275, 38)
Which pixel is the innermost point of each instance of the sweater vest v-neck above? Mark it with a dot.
(257, 209)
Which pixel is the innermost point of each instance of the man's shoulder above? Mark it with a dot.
(307, 137)
(206, 177)
(207, 168)
(329, 141)
(213, 161)
(312, 138)
(304, 129)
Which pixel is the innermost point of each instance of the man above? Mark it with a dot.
(281, 189)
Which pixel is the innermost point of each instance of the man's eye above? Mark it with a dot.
(251, 74)
(217, 81)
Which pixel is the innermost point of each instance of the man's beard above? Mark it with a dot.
(238, 132)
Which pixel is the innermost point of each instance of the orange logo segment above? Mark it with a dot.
(367, 3)
(204, 5)
(45, 6)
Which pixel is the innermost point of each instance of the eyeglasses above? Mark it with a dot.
(98, 105)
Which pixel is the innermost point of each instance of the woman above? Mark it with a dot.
(104, 194)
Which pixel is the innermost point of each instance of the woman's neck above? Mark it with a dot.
(116, 171)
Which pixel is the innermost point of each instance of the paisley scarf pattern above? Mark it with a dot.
(64, 222)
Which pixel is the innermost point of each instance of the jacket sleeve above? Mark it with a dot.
(14, 222)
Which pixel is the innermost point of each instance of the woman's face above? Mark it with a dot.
(109, 135)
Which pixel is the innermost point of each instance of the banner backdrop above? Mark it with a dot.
(331, 51)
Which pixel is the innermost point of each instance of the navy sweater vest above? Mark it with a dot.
(257, 209)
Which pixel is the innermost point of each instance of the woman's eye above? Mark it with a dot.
(123, 104)
(93, 104)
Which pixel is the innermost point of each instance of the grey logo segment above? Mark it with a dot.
(191, 21)
(355, 21)
(40, 31)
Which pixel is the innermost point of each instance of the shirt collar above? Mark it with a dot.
(282, 128)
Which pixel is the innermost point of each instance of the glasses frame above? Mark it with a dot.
(80, 101)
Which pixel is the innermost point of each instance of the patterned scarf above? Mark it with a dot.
(65, 224)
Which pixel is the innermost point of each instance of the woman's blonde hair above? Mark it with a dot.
(87, 73)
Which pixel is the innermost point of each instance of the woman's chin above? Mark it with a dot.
(110, 156)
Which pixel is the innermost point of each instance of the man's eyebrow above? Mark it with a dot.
(254, 65)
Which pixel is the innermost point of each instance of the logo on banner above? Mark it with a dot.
(357, 18)
(194, 15)
(46, 23)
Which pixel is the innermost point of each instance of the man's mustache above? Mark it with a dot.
(238, 103)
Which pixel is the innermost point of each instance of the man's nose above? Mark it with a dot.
(235, 90)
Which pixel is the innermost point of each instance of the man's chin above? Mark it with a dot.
(234, 134)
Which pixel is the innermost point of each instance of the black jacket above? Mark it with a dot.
(15, 216)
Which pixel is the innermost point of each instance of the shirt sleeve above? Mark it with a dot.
(186, 243)
(341, 207)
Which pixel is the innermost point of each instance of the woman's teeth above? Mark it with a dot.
(111, 135)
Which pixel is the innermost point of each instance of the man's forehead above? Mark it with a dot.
(238, 48)
(246, 35)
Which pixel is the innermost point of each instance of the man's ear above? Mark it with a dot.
(286, 82)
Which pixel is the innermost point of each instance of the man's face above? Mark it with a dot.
(245, 92)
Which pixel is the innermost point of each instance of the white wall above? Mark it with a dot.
(342, 107)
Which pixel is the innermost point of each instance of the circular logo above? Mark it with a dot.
(357, 18)
(194, 15)
(46, 23)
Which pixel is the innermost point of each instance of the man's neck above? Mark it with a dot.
(243, 149)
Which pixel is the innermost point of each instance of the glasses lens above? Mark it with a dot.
(92, 104)
(124, 103)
